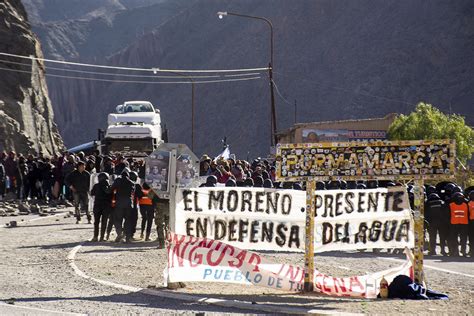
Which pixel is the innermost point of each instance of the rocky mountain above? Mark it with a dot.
(336, 59)
(26, 114)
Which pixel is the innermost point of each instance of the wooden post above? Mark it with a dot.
(309, 242)
(419, 230)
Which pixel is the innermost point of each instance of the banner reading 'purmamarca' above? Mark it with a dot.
(250, 218)
(363, 219)
(192, 259)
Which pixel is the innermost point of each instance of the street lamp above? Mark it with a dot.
(221, 15)
(155, 70)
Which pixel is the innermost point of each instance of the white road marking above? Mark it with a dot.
(431, 267)
(197, 299)
(35, 309)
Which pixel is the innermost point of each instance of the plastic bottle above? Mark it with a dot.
(383, 288)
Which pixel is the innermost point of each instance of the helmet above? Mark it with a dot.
(267, 183)
(433, 196)
(320, 185)
(103, 176)
(258, 182)
(351, 185)
(230, 183)
(133, 176)
(211, 180)
(334, 185)
(361, 186)
(297, 186)
(372, 184)
(430, 189)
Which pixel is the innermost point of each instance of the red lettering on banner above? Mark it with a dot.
(339, 282)
(257, 258)
(317, 283)
(293, 273)
(175, 250)
(221, 255)
(240, 257)
(197, 259)
(326, 289)
(354, 283)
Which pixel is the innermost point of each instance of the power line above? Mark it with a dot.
(133, 81)
(154, 70)
(127, 75)
(278, 92)
(350, 91)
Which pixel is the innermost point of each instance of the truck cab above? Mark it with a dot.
(133, 130)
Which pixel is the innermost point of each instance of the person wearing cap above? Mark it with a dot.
(204, 165)
(459, 224)
(78, 182)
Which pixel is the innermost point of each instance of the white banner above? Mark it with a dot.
(271, 219)
(251, 218)
(363, 219)
(192, 259)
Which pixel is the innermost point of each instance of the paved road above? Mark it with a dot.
(35, 273)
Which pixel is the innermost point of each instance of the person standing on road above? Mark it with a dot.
(2, 180)
(147, 212)
(78, 182)
(137, 196)
(436, 211)
(103, 199)
(124, 196)
(459, 224)
(162, 216)
(471, 224)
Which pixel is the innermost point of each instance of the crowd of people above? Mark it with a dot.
(449, 210)
(121, 193)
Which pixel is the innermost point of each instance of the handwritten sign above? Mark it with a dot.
(366, 160)
(251, 218)
(193, 259)
(363, 219)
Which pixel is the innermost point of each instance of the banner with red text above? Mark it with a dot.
(192, 259)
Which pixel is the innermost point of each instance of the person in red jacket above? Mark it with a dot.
(459, 224)
(147, 211)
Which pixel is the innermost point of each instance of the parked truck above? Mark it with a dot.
(134, 130)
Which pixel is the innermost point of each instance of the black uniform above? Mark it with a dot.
(124, 196)
(102, 204)
(437, 215)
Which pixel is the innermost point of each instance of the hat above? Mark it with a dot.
(205, 158)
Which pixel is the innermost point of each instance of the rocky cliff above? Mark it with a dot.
(26, 115)
(336, 59)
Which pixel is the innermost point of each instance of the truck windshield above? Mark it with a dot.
(138, 107)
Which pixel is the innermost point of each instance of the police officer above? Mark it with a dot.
(102, 204)
(459, 224)
(124, 202)
(437, 216)
(78, 182)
